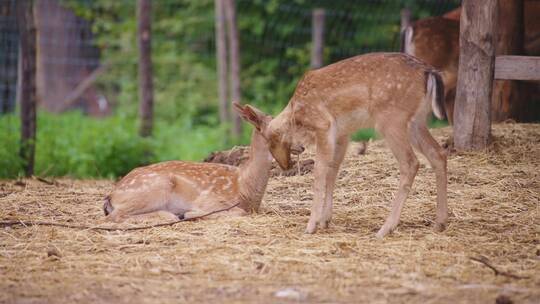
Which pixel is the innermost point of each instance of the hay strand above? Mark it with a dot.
(493, 196)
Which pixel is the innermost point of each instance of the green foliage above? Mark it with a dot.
(75, 145)
(367, 134)
(275, 51)
(275, 46)
(10, 162)
(364, 135)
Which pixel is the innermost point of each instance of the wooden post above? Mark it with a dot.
(27, 30)
(405, 19)
(234, 55)
(146, 86)
(221, 59)
(472, 118)
(405, 22)
(506, 101)
(317, 38)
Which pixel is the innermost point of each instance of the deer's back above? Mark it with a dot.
(436, 41)
(187, 179)
(363, 85)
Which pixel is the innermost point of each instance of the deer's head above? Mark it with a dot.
(280, 149)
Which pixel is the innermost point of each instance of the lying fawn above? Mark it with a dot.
(177, 189)
(435, 40)
(393, 92)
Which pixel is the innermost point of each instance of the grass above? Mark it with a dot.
(75, 145)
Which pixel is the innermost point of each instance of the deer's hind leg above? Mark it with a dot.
(212, 208)
(207, 214)
(154, 217)
(435, 154)
(397, 139)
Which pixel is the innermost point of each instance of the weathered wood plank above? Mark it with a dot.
(472, 118)
(517, 67)
(317, 38)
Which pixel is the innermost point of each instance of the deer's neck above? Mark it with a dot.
(254, 174)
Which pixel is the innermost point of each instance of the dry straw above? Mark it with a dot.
(493, 196)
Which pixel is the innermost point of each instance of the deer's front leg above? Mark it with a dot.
(322, 190)
(339, 154)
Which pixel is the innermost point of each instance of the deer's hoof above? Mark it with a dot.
(439, 227)
(324, 224)
(385, 229)
(381, 234)
(311, 227)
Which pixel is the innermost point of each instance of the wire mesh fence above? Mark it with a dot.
(75, 37)
(9, 53)
(87, 60)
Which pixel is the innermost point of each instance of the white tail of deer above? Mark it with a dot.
(393, 92)
(435, 40)
(177, 189)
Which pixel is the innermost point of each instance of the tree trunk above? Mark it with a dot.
(221, 58)
(405, 22)
(234, 55)
(405, 19)
(317, 38)
(146, 87)
(472, 128)
(506, 101)
(27, 30)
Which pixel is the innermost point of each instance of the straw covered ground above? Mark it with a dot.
(266, 258)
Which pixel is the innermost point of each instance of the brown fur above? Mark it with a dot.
(384, 90)
(435, 40)
(185, 189)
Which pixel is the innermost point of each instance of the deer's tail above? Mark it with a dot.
(435, 93)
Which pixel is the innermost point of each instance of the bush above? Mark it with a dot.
(79, 146)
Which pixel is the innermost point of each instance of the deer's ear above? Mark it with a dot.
(250, 114)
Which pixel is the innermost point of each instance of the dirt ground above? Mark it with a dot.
(494, 198)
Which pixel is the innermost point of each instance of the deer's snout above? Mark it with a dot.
(107, 206)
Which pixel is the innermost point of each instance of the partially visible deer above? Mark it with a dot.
(454, 14)
(435, 40)
(393, 92)
(177, 189)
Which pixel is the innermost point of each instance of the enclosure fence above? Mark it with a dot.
(70, 48)
(87, 57)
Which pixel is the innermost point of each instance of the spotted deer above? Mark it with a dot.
(177, 189)
(393, 92)
(435, 40)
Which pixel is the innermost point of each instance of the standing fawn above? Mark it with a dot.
(177, 189)
(393, 92)
(435, 40)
